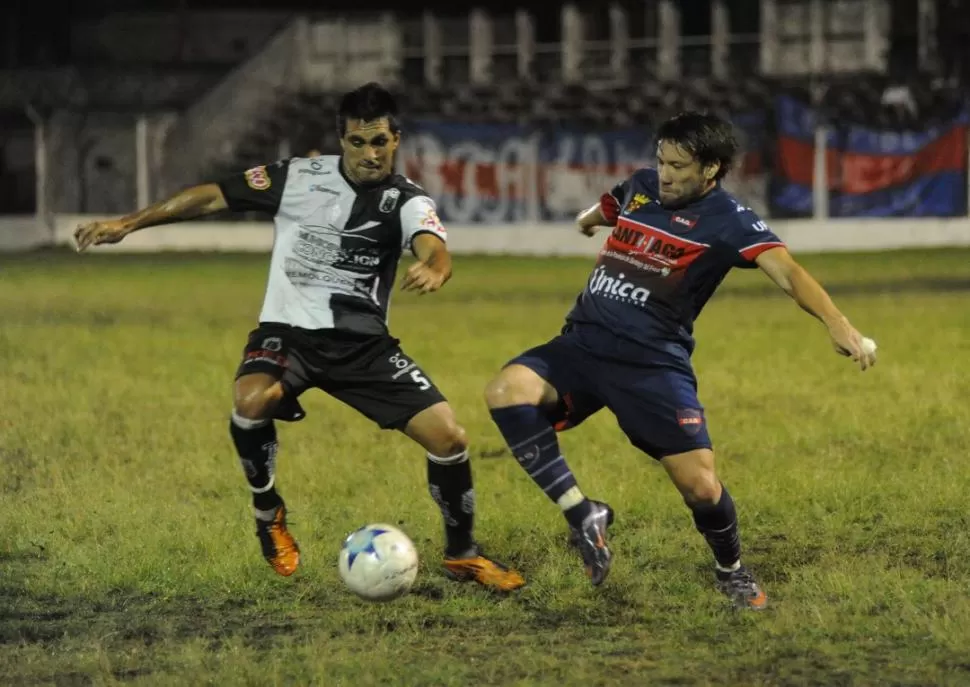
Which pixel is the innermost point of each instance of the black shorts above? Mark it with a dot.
(368, 372)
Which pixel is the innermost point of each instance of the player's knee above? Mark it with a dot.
(693, 473)
(515, 385)
(437, 431)
(702, 488)
(251, 408)
(449, 439)
(256, 399)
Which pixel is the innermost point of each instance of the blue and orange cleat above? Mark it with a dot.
(739, 586)
(590, 539)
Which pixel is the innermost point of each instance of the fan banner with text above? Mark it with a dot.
(503, 173)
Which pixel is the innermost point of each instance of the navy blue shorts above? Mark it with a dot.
(653, 399)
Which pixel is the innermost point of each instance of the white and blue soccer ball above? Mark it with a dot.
(378, 562)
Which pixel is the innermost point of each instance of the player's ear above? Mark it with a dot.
(711, 170)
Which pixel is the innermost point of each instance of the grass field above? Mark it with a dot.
(127, 549)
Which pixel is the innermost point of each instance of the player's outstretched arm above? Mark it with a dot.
(433, 267)
(795, 280)
(591, 220)
(192, 202)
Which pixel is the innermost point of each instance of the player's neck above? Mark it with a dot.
(345, 172)
(706, 191)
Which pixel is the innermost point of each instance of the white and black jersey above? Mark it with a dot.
(337, 244)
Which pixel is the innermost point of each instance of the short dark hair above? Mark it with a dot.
(707, 137)
(368, 102)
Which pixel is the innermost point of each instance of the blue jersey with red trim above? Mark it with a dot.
(659, 267)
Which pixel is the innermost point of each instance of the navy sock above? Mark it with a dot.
(532, 440)
(719, 524)
(256, 444)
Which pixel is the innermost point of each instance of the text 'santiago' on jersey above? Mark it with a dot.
(643, 240)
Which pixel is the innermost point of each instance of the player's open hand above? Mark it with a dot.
(423, 279)
(848, 341)
(95, 233)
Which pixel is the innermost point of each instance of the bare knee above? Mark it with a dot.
(256, 396)
(703, 490)
(449, 440)
(438, 432)
(694, 476)
(517, 385)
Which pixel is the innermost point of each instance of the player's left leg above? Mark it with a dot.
(658, 409)
(388, 387)
(716, 518)
(537, 394)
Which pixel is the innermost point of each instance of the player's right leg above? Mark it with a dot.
(259, 395)
(536, 394)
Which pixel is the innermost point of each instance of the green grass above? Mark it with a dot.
(126, 542)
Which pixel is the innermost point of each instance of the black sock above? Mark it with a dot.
(532, 440)
(256, 445)
(719, 524)
(450, 484)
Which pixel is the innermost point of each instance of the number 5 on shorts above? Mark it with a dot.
(419, 378)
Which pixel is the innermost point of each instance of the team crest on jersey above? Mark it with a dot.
(637, 202)
(389, 199)
(257, 178)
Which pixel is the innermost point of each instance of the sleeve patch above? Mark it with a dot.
(430, 222)
(257, 178)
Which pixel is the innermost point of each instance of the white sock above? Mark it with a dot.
(571, 498)
(266, 515)
(731, 568)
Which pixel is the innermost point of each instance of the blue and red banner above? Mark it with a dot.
(871, 173)
(496, 173)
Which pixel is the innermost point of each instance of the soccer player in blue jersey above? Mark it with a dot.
(675, 233)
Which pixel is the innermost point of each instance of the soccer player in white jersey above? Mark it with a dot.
(342, 224)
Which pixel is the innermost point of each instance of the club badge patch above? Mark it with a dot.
(257, 178)
(637, 202)
(690, 420)
(389, 199)
(683, 221)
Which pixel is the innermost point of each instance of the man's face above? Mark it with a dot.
(368, 149)
(682, 177)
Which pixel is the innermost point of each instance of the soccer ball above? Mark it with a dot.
(378, 562)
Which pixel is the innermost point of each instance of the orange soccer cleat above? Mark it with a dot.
(473, 565)
(279, 547)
